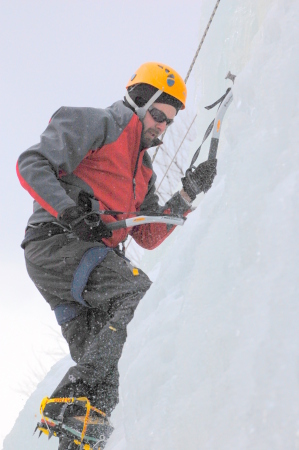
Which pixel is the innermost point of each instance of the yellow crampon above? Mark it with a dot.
(75, 401)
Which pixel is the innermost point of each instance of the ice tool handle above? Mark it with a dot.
(218, 122)
(215, 125)
(93, 219)
(141, 220)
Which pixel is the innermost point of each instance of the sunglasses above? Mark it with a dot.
(159, 116)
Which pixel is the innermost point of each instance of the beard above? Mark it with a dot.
(148, 136)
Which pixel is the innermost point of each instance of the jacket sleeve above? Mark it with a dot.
(151, 235)
(70, 135)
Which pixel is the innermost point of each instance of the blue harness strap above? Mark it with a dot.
(92, 258)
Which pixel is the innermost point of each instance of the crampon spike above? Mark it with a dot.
(40, 433)
(50, 434)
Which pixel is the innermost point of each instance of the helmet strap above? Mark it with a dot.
(141, 111)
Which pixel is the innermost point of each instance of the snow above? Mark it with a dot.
(212, 356)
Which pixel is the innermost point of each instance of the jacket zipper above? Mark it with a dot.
(136, 166)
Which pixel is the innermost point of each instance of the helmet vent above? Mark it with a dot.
(170, 80)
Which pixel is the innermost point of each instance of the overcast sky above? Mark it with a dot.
(75, 53)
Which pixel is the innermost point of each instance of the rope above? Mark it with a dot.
(193, 62)
(177, 151)
(185, 80)
(202, 40)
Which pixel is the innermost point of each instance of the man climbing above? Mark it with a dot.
(90, 169)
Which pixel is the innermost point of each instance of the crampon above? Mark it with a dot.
(89, 431)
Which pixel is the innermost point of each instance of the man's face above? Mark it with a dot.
(153, 129)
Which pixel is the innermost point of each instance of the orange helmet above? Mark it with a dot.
(162, 77)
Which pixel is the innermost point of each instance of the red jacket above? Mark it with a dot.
(97, 152)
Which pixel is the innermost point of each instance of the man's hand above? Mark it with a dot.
(87, 226)
(200, 179)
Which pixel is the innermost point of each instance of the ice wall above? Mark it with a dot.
(212, 357)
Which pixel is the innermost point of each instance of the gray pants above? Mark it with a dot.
(97, 333)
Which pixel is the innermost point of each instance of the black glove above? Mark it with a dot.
(200, 179)
(87, 226)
